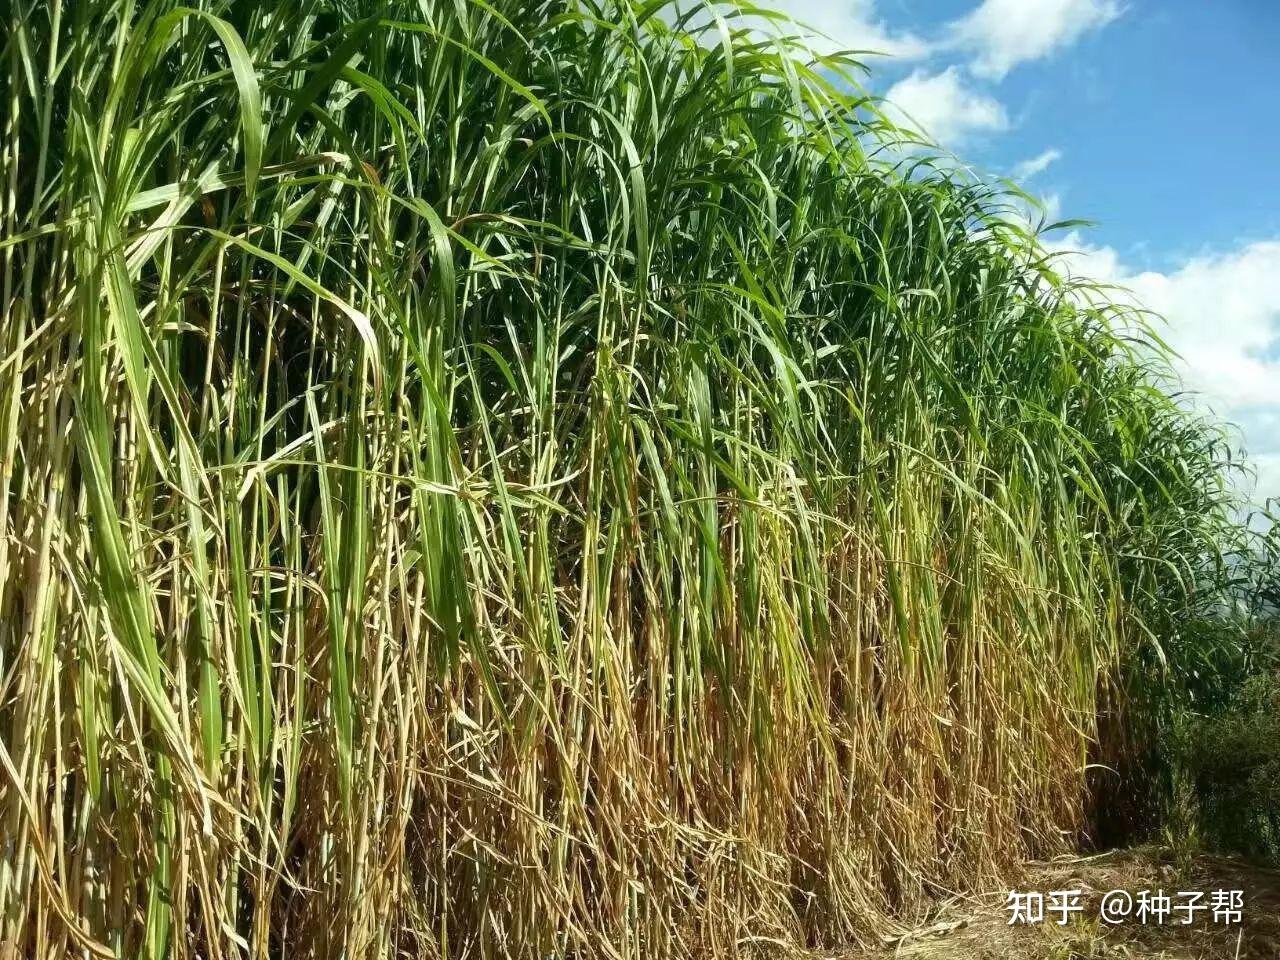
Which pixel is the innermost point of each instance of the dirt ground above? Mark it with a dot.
(978, 928)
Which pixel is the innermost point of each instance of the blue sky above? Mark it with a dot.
(1157, 119)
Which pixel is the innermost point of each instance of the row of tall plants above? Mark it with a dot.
(525, 478)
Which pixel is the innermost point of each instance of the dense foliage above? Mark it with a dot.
(1221, 752)
(517, 478)
(1230, 764)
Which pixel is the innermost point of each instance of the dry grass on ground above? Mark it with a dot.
(977, 928)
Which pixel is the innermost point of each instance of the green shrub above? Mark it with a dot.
(1229, 765)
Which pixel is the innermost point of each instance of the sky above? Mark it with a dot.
(1157, 120)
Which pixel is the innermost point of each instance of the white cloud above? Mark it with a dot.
(849, 25)
(1267, 467)
(1052, 207)
(1034, 216)
(1223, 319)
(1224, 315)
(1081, 259)
(1004, 33)
(998, 34)
(944, 107)
(1036, 165)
